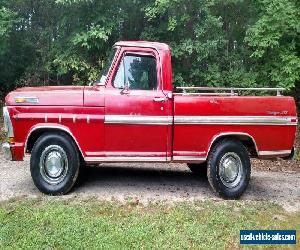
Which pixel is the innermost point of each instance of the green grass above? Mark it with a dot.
(56, 224)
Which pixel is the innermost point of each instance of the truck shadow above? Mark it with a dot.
(132, 173)
(141, 179)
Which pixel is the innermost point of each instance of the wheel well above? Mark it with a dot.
(247, 141)
(36, 134)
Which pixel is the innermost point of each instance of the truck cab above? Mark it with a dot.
(139, 103)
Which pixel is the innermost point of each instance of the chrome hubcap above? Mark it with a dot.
(53, 164)
(230, 169)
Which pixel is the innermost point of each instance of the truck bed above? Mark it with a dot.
(268, 121)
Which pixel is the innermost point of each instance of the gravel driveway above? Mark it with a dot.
(151, 182)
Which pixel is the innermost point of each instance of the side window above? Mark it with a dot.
(139, 72)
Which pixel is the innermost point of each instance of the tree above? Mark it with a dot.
(214, 42)
(275, 40)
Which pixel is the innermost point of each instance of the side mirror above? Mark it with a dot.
(125, 90)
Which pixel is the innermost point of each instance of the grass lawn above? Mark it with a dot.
(48, 224)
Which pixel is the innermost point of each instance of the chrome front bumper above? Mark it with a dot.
(7, 151)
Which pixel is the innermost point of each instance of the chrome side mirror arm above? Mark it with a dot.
(125, 90)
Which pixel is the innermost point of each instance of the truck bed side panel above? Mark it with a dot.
(270, 121)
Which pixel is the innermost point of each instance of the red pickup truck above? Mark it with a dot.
(133, 115)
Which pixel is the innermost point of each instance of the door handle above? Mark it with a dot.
(159, 99)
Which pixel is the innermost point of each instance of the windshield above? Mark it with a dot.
(107, 65)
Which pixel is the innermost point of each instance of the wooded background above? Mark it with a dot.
(214, 42)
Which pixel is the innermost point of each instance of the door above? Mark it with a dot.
(138, 115)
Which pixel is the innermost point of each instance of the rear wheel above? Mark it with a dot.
(54, 164)
(199, 169)
(229, 168)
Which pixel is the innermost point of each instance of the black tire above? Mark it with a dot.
(234, 151)
(199, 169)
(55, 145)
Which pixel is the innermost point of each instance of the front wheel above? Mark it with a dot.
(229, 168)
(54, 164)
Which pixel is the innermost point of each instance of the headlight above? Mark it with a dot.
(8, 128)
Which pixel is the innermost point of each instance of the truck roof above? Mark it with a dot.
(147, 44)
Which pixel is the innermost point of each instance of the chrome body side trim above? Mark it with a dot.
(189, 159)
(126, 159)
(135, 119)
(275, 153)
(236, 120)
(206, 120)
